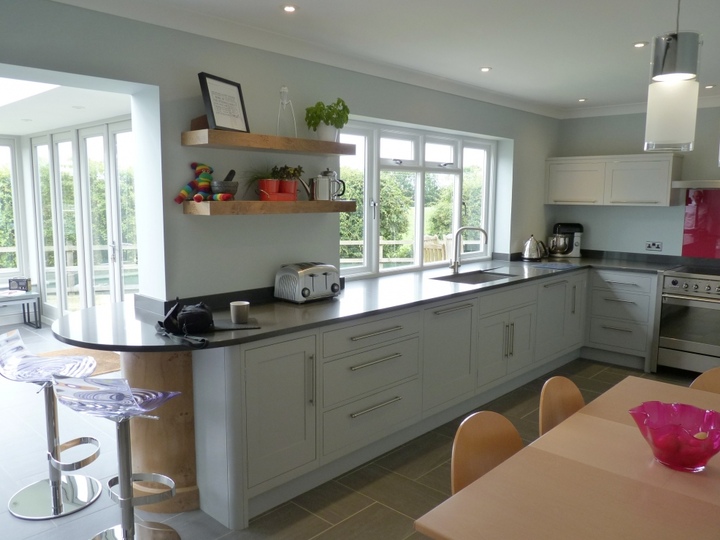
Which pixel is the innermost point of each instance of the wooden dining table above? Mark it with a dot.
(591, 477)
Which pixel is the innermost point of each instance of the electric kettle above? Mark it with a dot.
(534, 250)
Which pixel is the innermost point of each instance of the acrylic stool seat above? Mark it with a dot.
(115, 400)
(59, 494)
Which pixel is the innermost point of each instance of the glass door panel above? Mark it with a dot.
(43, 176)
(124, 159)
(73, 257)
(99, 270)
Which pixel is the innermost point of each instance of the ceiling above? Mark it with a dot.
(544, 55)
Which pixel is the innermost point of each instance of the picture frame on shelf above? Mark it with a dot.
(224, 104)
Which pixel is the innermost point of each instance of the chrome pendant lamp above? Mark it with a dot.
(673, 92)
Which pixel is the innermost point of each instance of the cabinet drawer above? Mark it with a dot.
(364, 372)
(370, 418)
(622, 281)
(621, 305)
(507, 299)
(618, 334)
(359, 336)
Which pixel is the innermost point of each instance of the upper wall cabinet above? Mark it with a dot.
(629, 180)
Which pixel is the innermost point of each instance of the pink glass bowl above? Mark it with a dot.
(681, 436)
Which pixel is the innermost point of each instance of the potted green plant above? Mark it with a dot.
(327, 119)
(288, 177)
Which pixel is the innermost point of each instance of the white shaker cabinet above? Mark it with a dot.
(280, 406)
(624, 180)
(506, 335)
(621, 313)
(449, 367)
(561, 315)
(576, 181)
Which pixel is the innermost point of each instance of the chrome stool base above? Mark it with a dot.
(146, 530)
(35, 502)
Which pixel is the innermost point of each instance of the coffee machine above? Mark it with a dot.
(565, 240)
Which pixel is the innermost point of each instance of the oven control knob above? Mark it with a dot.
(696, 287)
(717, 289)
(674, 282)
(708, 288)
(685, 286)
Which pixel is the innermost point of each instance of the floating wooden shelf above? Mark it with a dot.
(216, 138)
(229, 208)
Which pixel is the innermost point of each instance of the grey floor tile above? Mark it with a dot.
(397, 492)
(376, 521)
(333, 502)
(195, 525)
(286, 522)
(438, 478)
(419, 456)
(515, 404)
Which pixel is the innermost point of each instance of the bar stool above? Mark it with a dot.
(115, 400)
(59, 494)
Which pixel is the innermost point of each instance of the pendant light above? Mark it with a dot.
(673, 92)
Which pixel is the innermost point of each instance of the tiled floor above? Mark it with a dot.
(379, 500)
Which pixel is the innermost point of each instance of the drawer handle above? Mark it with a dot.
(575, 200)
(563, 282)
(452, 309)
(635, 202)
(511, 339)
(378, 333)
(506, 330)
(378, 361)
(621, 283)
(619, 300)
(617, 329)
(376, 407)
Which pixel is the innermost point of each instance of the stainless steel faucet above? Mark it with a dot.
(455, 262)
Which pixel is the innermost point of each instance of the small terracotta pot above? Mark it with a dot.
(269, 185)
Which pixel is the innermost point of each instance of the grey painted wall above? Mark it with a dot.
(211, 255)
(627, 229)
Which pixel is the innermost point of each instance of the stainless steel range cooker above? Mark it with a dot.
(689, 335)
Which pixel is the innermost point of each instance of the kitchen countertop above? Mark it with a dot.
(121, 327)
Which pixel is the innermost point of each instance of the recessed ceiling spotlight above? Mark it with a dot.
(289, 9)
(485, 69)
(582, 100)
(709, 86)
(640, 44)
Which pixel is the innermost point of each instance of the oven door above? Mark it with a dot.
(689, 336)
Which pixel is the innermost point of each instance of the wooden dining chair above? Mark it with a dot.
(560, 398)
(484, 440)
(708, 380)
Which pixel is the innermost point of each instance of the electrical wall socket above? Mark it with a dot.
(653, 246)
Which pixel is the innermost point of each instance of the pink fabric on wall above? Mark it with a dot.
(701, 231)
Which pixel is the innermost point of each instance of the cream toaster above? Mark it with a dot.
(302, 282)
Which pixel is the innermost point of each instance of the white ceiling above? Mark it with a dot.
(544, 54)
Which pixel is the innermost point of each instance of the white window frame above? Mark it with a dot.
(373, 131)
(18, 217)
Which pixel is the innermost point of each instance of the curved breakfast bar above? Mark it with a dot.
(150, 360)
(166, 445)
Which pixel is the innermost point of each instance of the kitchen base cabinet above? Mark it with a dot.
(561, 315)
(506, 339)
(622, 312)
(280, 408)
(449, 366)
(370, 381)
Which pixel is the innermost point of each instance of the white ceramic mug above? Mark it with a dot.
(239, 312)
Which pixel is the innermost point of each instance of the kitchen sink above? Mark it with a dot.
(473, 278)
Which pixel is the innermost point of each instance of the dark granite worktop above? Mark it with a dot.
(123, 327)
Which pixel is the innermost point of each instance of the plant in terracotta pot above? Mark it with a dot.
(288, 177)
(322, 117)
(263, 180)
